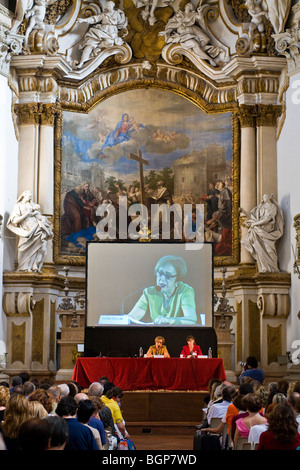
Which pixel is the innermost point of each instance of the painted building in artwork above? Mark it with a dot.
(194, 172)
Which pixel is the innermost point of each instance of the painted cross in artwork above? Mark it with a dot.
(186, 158)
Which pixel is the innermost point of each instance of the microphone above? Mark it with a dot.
(129, 295)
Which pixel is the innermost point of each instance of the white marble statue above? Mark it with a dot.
(149, 7)
(257, 13)
(33, 230)
(35, 16)
(103, 33)
(265, 226)
(187, 28)
(21, 7)
(278, 12)
(35, 10)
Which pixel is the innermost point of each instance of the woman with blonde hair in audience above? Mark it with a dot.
(37, 410)
(282, 432)
(252, 403)
(16, 413)
(4, 399)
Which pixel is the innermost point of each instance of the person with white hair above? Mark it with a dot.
(64, 388)
(96, 389)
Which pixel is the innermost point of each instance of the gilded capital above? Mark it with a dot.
(268, 114)
(28, 113)
(247, 115)
(47, 113)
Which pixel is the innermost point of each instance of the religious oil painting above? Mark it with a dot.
(145, 146)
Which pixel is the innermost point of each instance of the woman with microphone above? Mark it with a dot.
(170, 301)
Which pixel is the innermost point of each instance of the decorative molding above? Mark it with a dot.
(267, 115)
(10, 44)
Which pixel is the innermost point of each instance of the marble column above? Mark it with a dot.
(267, 116)
(247, 118)
(28, 121)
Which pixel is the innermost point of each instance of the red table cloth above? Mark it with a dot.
(149, 373)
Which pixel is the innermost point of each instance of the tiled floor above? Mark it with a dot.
(162, 442)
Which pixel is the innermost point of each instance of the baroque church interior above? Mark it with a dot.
(176, 102)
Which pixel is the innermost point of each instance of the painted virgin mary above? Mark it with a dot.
(121, 133)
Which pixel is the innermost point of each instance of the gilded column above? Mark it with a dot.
(247, 117)
(267, 116)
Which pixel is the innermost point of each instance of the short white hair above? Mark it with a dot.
(96, 389)
(64, 388)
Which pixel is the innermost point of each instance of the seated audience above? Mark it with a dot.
(95, 420)
(218, 410)
(58, 433)
(34, 434)
(16, 413)
(252, 404)
(4, 399)
(44, 397)
(109, 398)
(80, 436)
(282, 432)
(84, 413)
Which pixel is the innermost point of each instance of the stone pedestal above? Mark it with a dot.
(29, 304)
(72, 335)
(262, 306)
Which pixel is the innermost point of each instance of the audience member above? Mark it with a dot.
(34, 434)
(4, 399)
(15, 381)
(109, 399)
(73, 389)
(95, 420)
(293, 400)
(64, 390)
(282, 432)
(16, 412)
(250, 369)
(58, 433)
(55, 393)
(252, 404)
(219, 409)
(18, 389)
(103, 380)
(283, 386)
(85, 410)
(80, 436)
(44, 397)
(80, 396)
(96, 389)
(279, 398)
(37, 410)
(28, 387)
(24, 377)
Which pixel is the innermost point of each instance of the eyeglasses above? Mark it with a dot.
(167, 276)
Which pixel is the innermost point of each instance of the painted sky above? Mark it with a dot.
(185, 126)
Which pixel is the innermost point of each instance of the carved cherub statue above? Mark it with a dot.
(257, 14)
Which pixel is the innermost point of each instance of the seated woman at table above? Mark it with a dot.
(159, 348)
(191, 349)
(170, 301)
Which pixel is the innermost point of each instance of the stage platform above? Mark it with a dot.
(163, 411)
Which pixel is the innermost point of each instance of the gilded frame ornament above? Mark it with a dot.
(180, 85)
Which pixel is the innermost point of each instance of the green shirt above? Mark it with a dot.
(182, 303)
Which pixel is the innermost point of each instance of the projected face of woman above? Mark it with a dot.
(166, 278)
